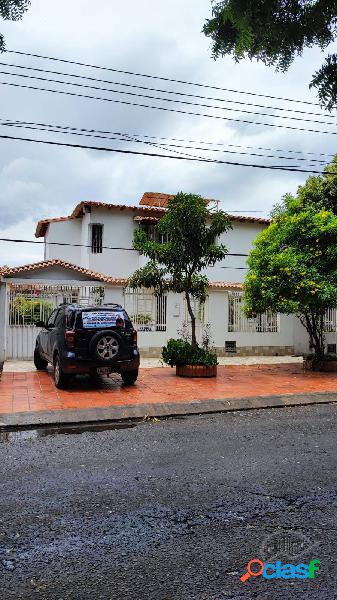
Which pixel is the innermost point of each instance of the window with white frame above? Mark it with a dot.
(267, 322)
(147, 311)
(96, 234)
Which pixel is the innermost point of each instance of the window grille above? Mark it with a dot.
(147, 311)
(154, 234)
(96, 238)
(330, 320)
(28, 303)
(200, 310)
(230, 346)
(267, 322)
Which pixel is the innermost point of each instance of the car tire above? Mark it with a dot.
(39, 362)
(129, 377)
(61, 379)
(105, 347)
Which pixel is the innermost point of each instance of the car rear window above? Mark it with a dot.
(95, 319)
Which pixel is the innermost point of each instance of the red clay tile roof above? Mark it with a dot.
(45, 264)
(42, 226)
(145, 218)
(157, 199)
(225, 285)
(155, 211)
(118, 281)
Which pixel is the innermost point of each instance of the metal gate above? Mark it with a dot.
(29, 303)
(147, 311)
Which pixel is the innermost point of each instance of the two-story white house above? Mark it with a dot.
(89, 255)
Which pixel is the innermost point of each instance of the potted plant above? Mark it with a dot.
(189, 360)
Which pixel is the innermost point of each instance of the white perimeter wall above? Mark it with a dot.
(291, 331)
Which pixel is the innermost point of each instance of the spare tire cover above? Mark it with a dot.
(105, 346)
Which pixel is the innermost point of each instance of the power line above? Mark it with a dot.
(21, 241)
(137, 95)
(202, 85)
(129, 137)
(152, 154)
(164, 108)
(142, 87)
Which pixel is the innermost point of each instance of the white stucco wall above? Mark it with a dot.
(64, 232)
(218, 318)
(238, 240)
(118, 231)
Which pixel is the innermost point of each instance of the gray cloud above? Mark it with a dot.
(149, 37)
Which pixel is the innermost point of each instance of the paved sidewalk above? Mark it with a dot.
(24, 366)
(32, 397)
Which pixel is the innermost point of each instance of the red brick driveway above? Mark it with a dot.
(35, 391)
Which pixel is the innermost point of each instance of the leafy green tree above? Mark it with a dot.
(293, 266)
(275, 32)
(11, 10)
(192, 232)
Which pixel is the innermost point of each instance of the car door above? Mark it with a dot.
(45, 334)
(53, 331)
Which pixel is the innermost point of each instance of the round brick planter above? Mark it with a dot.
(196, 371)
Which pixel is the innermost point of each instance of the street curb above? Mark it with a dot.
(167, 409)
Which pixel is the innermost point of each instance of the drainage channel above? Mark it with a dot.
(19, 434)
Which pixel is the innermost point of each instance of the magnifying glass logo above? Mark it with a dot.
(251, 573)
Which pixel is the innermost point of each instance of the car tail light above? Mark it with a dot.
(134, 338)
(70, 338)
(119, 322)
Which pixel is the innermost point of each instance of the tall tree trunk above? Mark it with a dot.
(191, 313)
(314, 324)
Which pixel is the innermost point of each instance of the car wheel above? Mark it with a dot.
(39, 362)
(130, 377)
(61, 379)
(105, 347)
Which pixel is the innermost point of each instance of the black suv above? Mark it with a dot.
(88, 339)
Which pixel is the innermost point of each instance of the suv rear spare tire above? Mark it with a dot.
(105, 347)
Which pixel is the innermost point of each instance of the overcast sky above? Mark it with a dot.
(155, 37)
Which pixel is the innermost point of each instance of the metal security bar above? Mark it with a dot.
(147, 311)
(330, 320)
(96, 238)
(28, 303)
(267, 322)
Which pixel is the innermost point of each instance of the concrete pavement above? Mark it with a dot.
(172, 510)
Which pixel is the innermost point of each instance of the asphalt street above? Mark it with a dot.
(171, 510)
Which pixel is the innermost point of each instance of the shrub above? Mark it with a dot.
(181, 352)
